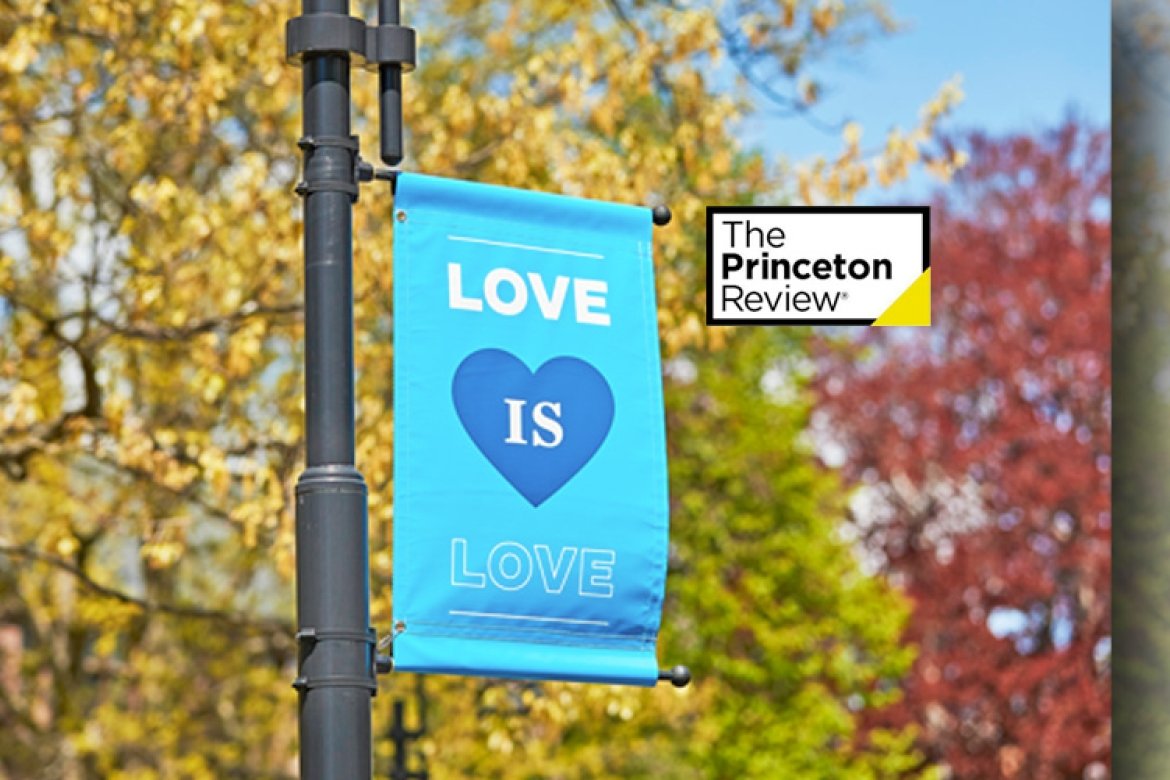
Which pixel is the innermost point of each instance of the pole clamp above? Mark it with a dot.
(311, 636)
(335, 681)
(309, 143)
(369, 46)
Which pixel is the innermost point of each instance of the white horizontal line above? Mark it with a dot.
(539, 618)
(530, 247)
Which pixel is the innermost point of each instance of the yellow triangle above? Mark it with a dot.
(912, 306)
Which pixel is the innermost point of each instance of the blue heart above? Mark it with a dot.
(537, 429)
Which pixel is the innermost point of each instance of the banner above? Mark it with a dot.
(530, 485)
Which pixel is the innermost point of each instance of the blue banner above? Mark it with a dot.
(530, 486)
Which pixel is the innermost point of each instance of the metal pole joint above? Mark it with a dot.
(330, 176)
(367, 46)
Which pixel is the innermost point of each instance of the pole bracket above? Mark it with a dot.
(368, 172)
(309, 143)
(390, 44)
(312, 636)
(335, 681)
(678, 676)
(368, 46)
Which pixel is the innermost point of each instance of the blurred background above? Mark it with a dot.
(890, 550)
(1141, 108)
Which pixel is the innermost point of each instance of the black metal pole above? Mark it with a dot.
(402, 737)
(390, 94)
(335, 662)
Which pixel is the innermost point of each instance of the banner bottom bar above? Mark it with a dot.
(524, 661)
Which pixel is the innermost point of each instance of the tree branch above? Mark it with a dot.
(180, 610)
(151, 332)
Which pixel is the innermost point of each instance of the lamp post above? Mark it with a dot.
(337, 662)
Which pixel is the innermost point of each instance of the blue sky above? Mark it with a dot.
(1023, 64)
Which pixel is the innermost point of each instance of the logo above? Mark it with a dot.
(537, 429)
(818, 265)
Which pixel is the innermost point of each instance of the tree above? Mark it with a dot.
(1141, 419)
(150, 388)
(981, 447)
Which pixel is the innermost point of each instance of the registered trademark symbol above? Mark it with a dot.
(844, 295)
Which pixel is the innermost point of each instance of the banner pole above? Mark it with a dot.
(337, 659)
(335, 643)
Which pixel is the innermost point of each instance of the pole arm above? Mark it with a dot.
(390, 91)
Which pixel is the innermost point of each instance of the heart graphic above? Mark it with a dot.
(538, 429)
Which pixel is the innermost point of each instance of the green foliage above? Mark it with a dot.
(769, 605)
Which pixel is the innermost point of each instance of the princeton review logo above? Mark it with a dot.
(818, 265)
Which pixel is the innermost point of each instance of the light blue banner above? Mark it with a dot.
(530, 488)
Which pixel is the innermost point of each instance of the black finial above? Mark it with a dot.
(661, 217)
(679, 676)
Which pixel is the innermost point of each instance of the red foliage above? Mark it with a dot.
(982, 447)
